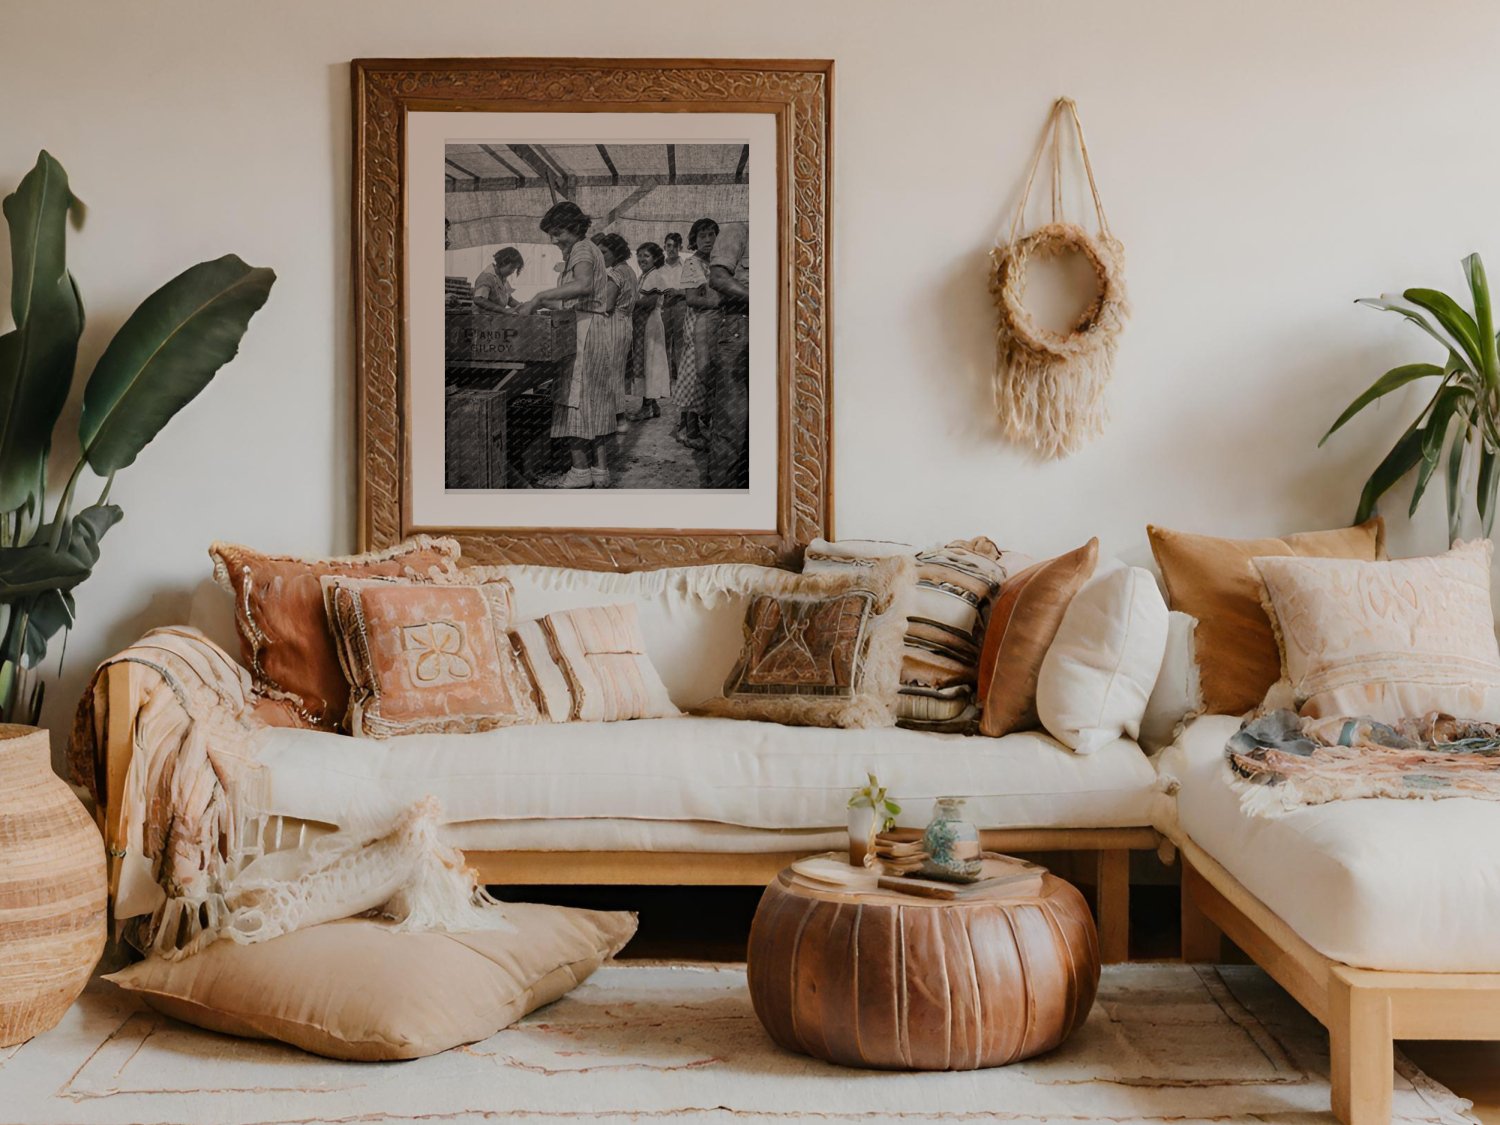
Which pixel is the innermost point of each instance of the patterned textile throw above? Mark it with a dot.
(1281, 761)
(956, 584)
(797, 646)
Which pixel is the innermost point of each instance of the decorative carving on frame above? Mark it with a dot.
(797, 93)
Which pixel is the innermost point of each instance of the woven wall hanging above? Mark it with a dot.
(1049, 386)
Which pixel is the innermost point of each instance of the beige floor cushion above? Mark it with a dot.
(357, 990)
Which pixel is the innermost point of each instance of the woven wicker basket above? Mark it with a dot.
(52, 889)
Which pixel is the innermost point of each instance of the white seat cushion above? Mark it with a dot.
(1408, 885)
(730, 771)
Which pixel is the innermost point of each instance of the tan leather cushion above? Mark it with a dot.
(1214, 580)
(426, 656)
(285, 640)
(356, 990)
(1022, 624)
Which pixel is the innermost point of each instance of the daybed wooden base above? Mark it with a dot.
(1112, 846)
(1364, 1010)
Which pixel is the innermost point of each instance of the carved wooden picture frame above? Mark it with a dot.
(391, 98)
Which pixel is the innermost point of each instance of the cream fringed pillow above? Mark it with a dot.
(1388, 640)
(424, 657)
(590, 665)
(356, 990)
(824, 649)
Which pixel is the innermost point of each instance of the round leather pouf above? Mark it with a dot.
(889, 980)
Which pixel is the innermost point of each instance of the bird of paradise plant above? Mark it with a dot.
(162, 356)
(1458, 426)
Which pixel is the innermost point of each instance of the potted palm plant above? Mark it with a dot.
(1457, 426)
(163, 355)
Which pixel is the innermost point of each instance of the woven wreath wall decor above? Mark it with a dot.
(1049, 386)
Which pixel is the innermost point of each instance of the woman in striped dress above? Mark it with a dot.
(583, 400)
(621, 307)
(697, 335)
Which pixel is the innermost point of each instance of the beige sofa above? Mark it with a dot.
(683, 800)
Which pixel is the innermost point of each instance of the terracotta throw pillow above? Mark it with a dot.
(590, 665)
(1388, 640)
(285, 639)
(356, 990)
(823, 649)
(1214, 580)
(1026, 617)
(425, 657)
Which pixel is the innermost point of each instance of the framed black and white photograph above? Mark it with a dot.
(587, 363)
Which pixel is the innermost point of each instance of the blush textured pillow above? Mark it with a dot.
(1100, 668)
(425, 657)
(357, 990)
(1026, 617)
(1214, 580)
(285, 640)
(590, 665)
(1390, 640)
(823, 650)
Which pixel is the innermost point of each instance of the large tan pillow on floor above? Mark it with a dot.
(1213, 580)
(1391, 640)
(1023, 623)
(285, 640)
(358, 990)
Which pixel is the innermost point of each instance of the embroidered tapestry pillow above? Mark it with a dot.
(590, 665)
(956, 584)
(427, 657)
(1025, 619)
(1213, 580)
(358, 990)
(823, 649)
(284, 634)
(1388, 640)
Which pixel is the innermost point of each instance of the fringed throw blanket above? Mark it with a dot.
(1281, 761)
(191, 841)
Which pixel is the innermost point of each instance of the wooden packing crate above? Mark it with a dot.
(524, 339)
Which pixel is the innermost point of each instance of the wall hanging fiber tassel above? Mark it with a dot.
(1049, 386)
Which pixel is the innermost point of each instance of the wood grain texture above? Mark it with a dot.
(797, 92)
(887, 982)
(52, 889)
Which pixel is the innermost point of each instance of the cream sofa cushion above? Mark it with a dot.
(356, 990)
(1390, 640)
(1099, 670)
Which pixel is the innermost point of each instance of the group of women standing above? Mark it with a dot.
(598, 284)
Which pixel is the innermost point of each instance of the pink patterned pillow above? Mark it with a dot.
(590, 665)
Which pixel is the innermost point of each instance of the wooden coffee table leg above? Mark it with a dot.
(1112, 885)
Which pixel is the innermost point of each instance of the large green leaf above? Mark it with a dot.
(37, 356)
(1448, 402)
(1393, 379)
(1402, 458)
(164, 355)
(1391, 302)
(1484, 317)
(1488, 480)
(1454, 319)
(35, 568)
(1455, 473)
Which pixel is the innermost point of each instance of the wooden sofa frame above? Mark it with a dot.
(1111, 846)
(1364, 1010)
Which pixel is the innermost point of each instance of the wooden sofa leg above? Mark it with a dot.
(1112, 886)
(1202, 941)
(1361, 1052)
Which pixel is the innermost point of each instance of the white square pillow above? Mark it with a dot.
(1178, 694)
(1388, 640)
(1100, 669)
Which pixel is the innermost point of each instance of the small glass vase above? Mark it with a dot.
(951, 843)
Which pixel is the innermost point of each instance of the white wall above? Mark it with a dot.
(1264, 164)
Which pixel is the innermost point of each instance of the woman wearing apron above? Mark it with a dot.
(697, 333)
(621, 307)
(655, 370)
(583, 401)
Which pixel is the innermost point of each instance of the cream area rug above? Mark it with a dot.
(645, 1042)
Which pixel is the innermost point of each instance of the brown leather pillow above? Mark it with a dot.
(1214, 580)
(285, 640)
(1022, 624)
